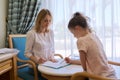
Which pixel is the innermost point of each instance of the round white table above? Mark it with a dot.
(64, 73)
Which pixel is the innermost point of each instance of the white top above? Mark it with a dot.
(96, 60)
(40, 45)
(65, 71)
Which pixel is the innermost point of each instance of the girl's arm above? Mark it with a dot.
(68, 60)
(83, 59)
(76, 62)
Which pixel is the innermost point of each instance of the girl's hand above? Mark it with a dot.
(68, 60)
(41, 60)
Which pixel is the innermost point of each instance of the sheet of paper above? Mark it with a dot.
(61, 63)
(8, 50)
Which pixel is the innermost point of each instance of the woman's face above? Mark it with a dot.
(46, 21)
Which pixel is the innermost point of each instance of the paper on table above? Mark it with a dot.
(8, 50)
(56, 65)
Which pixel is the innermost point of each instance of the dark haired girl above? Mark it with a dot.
(92, 54)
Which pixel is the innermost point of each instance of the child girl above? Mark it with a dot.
(92, 55)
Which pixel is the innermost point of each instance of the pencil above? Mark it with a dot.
(64, 60)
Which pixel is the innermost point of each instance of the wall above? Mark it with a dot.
(3, 13)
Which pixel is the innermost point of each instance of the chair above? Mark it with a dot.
(23, 63)
(84, 75)
(18, 41)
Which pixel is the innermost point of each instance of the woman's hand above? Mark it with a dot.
(41, 60)
(68, 60)
(53, 60)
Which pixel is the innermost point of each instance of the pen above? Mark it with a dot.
(64, 60)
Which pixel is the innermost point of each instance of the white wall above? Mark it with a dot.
(3, 13)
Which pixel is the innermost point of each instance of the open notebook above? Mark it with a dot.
(61, 63)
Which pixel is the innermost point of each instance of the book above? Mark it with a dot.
(56, 65)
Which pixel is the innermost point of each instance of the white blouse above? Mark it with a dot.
(40, 45)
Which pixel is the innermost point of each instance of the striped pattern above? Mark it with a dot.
(21, 15)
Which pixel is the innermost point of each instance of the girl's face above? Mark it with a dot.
(77, 31)
(46, 21)
(74, 32)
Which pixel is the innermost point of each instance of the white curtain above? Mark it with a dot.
(104, 20)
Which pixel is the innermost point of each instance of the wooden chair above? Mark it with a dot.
(18, 41)
(84, 75)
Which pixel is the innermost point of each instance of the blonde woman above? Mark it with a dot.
(40, 40)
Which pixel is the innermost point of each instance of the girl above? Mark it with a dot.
(92, 55)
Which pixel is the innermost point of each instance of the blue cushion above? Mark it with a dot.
(27, 73)
(24, 74)
(19, 43)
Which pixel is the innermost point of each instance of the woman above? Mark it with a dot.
(40, 40)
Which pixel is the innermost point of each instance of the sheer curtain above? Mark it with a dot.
(104, 20)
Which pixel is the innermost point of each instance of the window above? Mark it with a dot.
(104, 19)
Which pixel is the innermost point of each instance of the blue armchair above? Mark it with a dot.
(23, 63)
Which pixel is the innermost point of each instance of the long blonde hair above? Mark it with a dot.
(41, 15)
